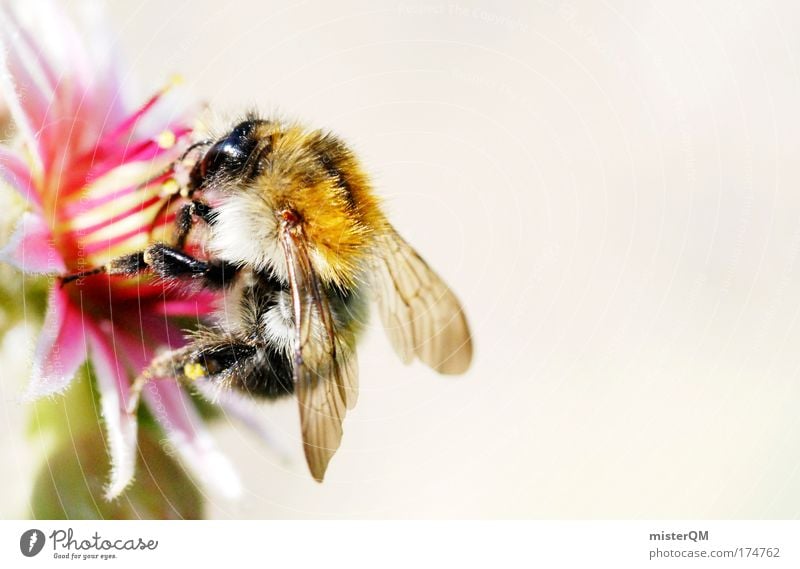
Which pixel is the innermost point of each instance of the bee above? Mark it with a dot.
(297, 241)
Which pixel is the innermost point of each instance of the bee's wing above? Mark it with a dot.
(422, 316)
(325, 367)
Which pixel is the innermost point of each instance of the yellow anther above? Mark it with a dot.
(170, 187)
(166, 139)
(194, 371)
(174, 81)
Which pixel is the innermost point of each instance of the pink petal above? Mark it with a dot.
(127, 125)
(111, 219)
(53, 49)
(87, 203)
(31, 247)
(187, 434)
(184, 427)
(107, 63)
(63, 83)
(34, 91)
(199, 304)
(174, 111)
(16, 174)
(112, 381)
(61, 347)
(92, 247)
(23, 37)
(23, 84)
(245, 412)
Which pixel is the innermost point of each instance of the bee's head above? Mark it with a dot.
(231, 157)
(265, 176)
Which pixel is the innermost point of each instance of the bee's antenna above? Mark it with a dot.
(194, 146)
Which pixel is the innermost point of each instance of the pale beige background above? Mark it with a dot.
(614, 191)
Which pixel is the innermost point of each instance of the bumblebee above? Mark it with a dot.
(296, 240)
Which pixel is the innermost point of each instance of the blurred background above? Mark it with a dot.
(612, 190)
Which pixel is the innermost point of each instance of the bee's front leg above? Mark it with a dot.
(188, 212)
(171, 263)
(129, 265)
(166, 262)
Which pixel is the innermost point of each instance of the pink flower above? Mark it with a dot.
(88, 168)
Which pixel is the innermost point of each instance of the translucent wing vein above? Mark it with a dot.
(421, 315)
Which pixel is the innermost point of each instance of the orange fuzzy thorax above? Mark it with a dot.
(315, 176)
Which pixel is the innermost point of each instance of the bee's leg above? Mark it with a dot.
(217, 357)
(256, 369)
(166, 262)
(130, 265)
(174, 188)
(186, 215)
(171, 263)
(169, 365)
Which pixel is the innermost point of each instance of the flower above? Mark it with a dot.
(91, 173)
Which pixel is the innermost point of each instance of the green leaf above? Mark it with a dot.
(71, 482)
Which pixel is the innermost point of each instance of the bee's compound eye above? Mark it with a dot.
(226, 155)
(229, 155)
